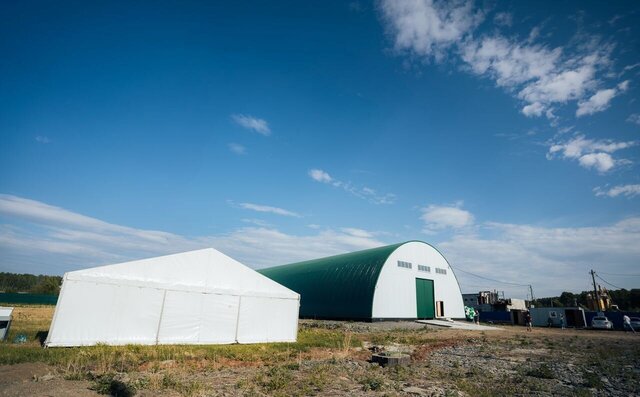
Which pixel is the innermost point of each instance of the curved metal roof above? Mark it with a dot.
(337, 287)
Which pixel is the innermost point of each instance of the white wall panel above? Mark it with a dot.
(395, 293)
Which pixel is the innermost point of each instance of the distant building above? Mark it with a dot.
(401, 281)
(488, 301)
(552, 316)
(510, 304)
(470, 300)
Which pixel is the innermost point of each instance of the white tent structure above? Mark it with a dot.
(196, 297)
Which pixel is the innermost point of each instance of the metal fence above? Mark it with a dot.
(496, 317)
(31, 299)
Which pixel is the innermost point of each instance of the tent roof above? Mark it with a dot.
(340, 286)
(206, 270)
(5, 311)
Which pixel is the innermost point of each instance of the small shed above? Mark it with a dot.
(551, 316)
(5, 321)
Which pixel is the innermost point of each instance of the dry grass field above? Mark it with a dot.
(330, 358)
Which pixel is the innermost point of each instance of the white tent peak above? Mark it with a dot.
(205, 270)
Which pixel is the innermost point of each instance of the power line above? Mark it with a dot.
(491, 279)
(606, 282)
(618, 274)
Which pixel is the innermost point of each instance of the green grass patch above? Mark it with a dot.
(76, 362)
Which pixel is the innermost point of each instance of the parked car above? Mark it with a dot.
(601, 322)
(635, 324)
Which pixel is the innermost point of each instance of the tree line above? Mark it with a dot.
(40, 284)
(627, 300)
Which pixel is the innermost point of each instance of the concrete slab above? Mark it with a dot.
(458, 325)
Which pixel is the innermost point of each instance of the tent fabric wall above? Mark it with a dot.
(197, 297)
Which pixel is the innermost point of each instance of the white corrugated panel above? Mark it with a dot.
(195, 297)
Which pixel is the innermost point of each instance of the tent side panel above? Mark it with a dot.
(90, 313)
(219, 318)
(263, 319)
(137, 311)
(193, 317)
(180, 321)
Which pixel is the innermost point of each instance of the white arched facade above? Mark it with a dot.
(395, 294)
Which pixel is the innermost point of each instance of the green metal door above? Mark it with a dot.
(424, 298)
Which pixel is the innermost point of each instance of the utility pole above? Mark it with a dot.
(595, 289)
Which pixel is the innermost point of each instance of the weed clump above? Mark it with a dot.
(372, 381)
(592, 380)
(543, 372)
(112, 385)
(274, 379)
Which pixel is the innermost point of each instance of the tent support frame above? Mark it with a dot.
(164, 297)
(238, 317)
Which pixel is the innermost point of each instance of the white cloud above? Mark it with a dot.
(42, 139)
(597, 103)
(503, 19)
(552, 259)
(36, 237)
(252, 123)
(439, 217)
(540, 76)
(536, 74)
(578, 145)
(630, 67)
(621, 190)
(534, 109)
(634, 118)
(357, 232)
(560, 86)
(509, 63)
(590, 153)
(261, 247)
(428, 27)
(534, 34)
(600, 100)
(55, 235)
(269, 209)
(237, 148)
(39, 238)
(320, 176)
(373, 196)
(624, 85)
(602, 162)
(257, 222)
(365, 193)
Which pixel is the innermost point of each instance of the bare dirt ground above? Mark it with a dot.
(332, 359)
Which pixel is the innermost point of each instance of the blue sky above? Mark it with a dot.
(506, 134)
